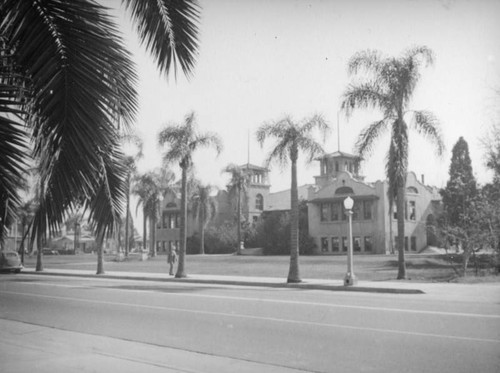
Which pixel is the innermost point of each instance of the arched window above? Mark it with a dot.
(171, 205)
(412, 190)
(259, 202)
(344, 190)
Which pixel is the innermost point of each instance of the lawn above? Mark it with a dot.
(420, 268)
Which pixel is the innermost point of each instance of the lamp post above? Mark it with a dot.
(350, 279)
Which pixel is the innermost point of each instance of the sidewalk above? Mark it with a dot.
(331, 285)
(480, 292)
(28, 347)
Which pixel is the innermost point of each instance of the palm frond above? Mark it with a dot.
(365, 96)
(310, 147)
(78, 70)
(207, 140)
(425, 123)
(366, 139)
(368, 60)
(169, 30)
(106, 205)
(183, 139)
(414, 54)
(279, 154)
(317, 121)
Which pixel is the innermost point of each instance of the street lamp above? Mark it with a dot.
(350, 279)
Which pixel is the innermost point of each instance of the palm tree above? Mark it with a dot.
(183, 140)
(237, 187)
(150, 188)
(146, 188)
(204, 208)
(130, 161)
(291, 138)
(389, 88)
(74, 220)
(25, 215)
(64, 73)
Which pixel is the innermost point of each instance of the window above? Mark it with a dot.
(337, 168)
(413, 210)
(170, 220)
(344, 190)
(395, 210)
(356, 242)
(344, 244)
(356, 211)
(324, 244)
(335, 244)
(335, 211)
(406, 243)
(413, 243)
(259, 202)
(324, 211)
(367, 210)
(412, 190)
(368, 244)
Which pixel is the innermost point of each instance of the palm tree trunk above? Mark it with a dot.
(39, 251)
(127, 216)
(100, 258)
(202, 232)
(238, 247)
(401, 233)
(152, 224)
(145, 229)
(293, 273)
(21, 245)
(182, 226)
(118, 249)
(75, 237)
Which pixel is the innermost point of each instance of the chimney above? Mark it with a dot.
(423, 179)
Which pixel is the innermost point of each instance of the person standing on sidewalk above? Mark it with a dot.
(171, 260)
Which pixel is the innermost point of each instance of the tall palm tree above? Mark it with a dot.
(389, 86)
(146, 188)
(150, 188)
(65, 71)
(130, 162)
(25, 216)
(237, 187)
(183, 140)
(291, 138)
(204, 209)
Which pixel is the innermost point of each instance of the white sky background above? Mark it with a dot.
(261, 59)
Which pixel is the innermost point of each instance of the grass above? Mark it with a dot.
(420, 268)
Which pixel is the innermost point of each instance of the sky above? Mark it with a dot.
(263, 59)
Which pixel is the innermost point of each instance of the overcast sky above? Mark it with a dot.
(262, 59)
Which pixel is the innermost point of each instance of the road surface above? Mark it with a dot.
(261, 329)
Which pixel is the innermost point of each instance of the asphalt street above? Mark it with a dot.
(259, 329)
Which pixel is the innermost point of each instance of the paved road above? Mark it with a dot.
(204, 328)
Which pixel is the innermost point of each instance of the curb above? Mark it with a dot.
(302, 285)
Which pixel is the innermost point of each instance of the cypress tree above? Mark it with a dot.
(461, 188)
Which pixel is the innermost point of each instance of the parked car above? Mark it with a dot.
(10, 261)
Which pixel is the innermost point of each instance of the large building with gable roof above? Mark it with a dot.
(374, 226)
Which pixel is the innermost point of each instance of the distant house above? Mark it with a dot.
(86, 243)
